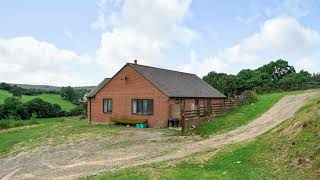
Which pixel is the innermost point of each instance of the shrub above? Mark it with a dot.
(3, 115)
(43, 109)
(127, 121)
(77, 111)
(22, 112)
(251, 96)
(10, 107)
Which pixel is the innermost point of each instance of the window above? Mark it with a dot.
(142, 106)
(107, 105)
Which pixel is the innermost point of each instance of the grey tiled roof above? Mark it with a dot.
(177, 84)
(171, 83)
(95, 90)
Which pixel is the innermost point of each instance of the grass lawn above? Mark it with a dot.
(290, 151)
(242, 115)
(11, 123)
(50, 132)
(52, 98)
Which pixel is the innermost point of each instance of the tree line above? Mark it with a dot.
(19, 91)
(276, 75)
(14, 108)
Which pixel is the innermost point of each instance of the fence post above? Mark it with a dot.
(238, 101)
(182, 119)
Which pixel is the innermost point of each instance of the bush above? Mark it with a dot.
(22, 112)
(127, 121)
(11, 108)
(251, 96)
(43, 109)
(77, 111)
(2, 113)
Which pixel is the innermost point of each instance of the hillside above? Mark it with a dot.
(289, 151)
(52, 98)
(4, 95)
(49, 87)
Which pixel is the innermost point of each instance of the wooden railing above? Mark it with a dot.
(193, 118)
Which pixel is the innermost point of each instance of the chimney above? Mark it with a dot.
(135, 61)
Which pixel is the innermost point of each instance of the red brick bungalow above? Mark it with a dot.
(149, 93)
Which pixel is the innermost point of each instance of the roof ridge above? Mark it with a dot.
(161, 68)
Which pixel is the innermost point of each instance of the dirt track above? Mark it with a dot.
(135, 147)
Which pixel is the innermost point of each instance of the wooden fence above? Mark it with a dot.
(194, 118)
(288, 87)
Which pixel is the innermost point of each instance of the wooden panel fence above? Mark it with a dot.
(194, 118)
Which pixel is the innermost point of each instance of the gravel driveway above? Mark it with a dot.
(135, 147)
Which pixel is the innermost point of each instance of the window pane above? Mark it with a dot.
(150, 106)
(134, 106)
(107, 105)
(139, 109)
(145, 107)
(110, 105)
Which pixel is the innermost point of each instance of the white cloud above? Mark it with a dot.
(142, 30)
(201, 68)
(281, 37)
(28, 60)
(139, 29)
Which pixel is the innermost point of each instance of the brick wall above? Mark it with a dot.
(122, 92)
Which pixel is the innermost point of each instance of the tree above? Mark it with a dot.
(292, 79)
(22, 112)
(10, 107)
(248, 79)
(68, 94)
(277, 69)
(5, 86)
(43, 109)
(16, 91)
(223, 82)
(316, 77)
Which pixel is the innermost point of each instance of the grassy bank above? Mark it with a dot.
(51, 98)
(290, 151)
(11, 123)
(50, 132)
(242, 115)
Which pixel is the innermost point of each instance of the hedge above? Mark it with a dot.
(127, 121)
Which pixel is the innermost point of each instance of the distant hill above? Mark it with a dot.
(40, 87)
(51, 98)
(49, 87)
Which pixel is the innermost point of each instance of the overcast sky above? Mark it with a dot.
(82, 42)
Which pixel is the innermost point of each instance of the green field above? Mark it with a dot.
(290, 151)
(242, 115)
(52, 98)
(4, 95)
